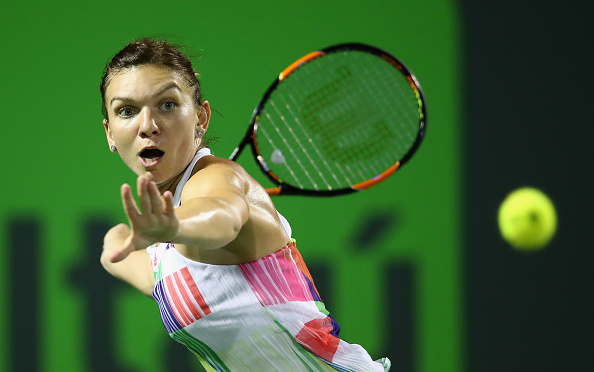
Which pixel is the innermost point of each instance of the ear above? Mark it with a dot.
(108, 133)
(203, 116)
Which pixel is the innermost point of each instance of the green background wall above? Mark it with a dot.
(399, 240)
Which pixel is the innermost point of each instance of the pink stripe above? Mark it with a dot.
(195, 292)
(292, 278)
(279, 278)
(183, 318)
(275, 280)
(267, 278)
(258, 289)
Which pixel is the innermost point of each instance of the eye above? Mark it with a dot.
(167, 106)
(126, 112)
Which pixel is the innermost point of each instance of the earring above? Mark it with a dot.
(199, 132)
(113, 148)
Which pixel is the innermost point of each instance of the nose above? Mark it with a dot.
(149, 125)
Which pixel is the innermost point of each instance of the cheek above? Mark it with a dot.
(124, 141)
(122, 133)
(190, 119)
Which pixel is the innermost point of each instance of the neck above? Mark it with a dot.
(172, 183)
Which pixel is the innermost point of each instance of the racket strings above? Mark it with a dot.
(397, 102)
(279, 157)
(300, 132)
(338, 120)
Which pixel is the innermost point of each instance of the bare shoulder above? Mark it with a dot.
(213, 163)
(228, 188)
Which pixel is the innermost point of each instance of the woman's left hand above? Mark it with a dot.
(154, 222)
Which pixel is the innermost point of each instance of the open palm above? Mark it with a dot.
(155, 220)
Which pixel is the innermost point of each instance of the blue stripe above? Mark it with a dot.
(312, 290)
(167, 315)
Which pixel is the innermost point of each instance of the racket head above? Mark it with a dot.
(337, 121)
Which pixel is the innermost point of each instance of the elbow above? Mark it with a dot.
(235, 223)
(234, 231)
(222, 236)
(223, 232)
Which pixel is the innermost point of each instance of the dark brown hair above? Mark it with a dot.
(154, 52)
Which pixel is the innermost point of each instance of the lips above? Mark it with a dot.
(150, 156)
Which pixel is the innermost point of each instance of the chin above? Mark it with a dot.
(155, 177)
(151, 175)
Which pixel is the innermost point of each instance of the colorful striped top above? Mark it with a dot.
(264, 315)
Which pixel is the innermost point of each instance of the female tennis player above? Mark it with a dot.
(205, 240)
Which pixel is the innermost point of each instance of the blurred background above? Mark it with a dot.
(413, 269)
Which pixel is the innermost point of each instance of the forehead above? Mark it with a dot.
(143, 81)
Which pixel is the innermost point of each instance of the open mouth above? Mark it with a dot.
(151, 155)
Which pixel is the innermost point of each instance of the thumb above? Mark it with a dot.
(122, 251)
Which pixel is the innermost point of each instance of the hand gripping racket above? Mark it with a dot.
(336, 121)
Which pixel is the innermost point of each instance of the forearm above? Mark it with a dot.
(111, 267)
(209, 223)
(135, 270)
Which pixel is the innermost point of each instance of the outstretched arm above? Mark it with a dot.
(214, 209)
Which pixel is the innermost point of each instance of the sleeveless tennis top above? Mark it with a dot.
(265, 315)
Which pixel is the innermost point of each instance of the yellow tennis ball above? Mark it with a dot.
(527, 219)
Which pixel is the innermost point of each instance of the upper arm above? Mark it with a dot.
(135, 270)
(218, 188)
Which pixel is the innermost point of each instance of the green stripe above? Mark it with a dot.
(322, 308)
(204, 363)
(200, 348)
(158, 274)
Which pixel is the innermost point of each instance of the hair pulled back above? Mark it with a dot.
(147, 51)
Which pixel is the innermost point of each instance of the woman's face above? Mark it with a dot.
(154, 121)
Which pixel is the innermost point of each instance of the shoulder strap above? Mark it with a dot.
(180, 186)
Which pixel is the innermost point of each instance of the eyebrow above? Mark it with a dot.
(163, 89)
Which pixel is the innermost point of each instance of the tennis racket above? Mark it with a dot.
(336, 121)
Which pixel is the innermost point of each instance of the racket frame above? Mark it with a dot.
(287, 189)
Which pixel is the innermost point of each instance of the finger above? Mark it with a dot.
(118, 243)
(143, 195)
(155, 198)
(169, 205)
(129, 204)
(121, 253)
